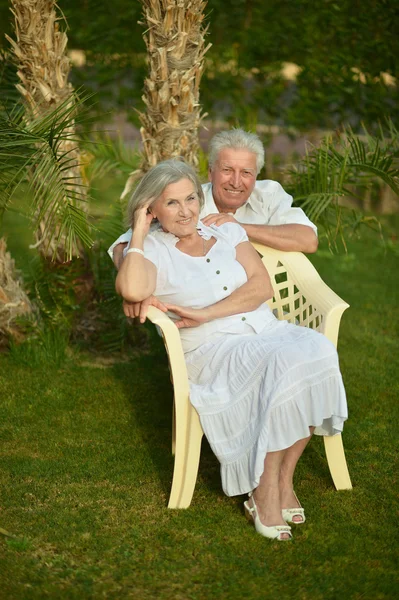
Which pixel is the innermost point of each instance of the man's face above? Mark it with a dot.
(233, 178)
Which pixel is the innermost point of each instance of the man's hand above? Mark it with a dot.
(190, 317)
(140, 309)
(117, 255)
(218, 219)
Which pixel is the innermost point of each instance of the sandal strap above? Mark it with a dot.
(294, 511)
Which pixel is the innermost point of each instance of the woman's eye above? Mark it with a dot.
(191, 198)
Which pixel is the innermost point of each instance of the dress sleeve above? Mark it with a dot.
(151, 250)
(232, 233)
(122, 239)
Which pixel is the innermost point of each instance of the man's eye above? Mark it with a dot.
(191, 198)
(171, 202)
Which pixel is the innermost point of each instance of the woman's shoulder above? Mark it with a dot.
(157, 238)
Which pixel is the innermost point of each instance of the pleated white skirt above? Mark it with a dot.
(258, 393)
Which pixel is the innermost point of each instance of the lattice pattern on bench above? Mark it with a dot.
(289, 303)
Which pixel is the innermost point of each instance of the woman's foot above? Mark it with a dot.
(292, 510)
(262, 515)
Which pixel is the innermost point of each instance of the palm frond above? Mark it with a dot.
(328, 172)
(107, 155)
(31, 152)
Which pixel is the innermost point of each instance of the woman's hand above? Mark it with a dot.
(140, 309)
(142, 219)
(190, 317)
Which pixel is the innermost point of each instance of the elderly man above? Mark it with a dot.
(263, 208)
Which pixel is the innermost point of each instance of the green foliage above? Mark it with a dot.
(9, 95)
(341, 49)
(57, 289)
(30, 153)
(107, 155)
(46, 346)
(112, 332)
(328, 172)
(341, 53)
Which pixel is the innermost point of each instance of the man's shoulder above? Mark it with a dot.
(207, 188)
(267, 186)
(268, 194)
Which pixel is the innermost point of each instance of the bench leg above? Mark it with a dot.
(187, 446)
(173, 431)
(337, 462)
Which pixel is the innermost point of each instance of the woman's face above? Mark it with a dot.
(177, 209)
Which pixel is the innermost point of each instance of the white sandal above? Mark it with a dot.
(274, 532)
(290, 513)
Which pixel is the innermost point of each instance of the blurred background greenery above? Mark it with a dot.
(297, 64)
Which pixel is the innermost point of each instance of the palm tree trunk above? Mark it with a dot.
(43, 69)
(13, 300)
(175, 40)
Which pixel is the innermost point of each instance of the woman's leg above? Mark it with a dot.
(288, 465)
(267, 494)
(275, 488)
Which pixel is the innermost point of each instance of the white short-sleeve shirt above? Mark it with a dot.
(268, 204)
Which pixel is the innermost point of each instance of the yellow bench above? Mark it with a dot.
(300, 296)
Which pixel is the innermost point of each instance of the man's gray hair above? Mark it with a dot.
(237, 139)
(157, 179)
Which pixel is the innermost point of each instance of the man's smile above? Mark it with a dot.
(236, 192)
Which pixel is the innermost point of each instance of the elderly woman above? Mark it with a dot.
(261, 386)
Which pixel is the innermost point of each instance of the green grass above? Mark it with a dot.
(86, 471)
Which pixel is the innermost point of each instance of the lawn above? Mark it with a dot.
(86, 471)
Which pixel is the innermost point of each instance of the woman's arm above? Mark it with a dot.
(137, 276)
(246, 298)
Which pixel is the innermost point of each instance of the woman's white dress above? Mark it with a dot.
(256, 382)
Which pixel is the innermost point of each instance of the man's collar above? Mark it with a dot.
(210, 201)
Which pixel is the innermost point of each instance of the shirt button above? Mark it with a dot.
(225, 288)
(217, 272)
(208, 260)
(243, 319)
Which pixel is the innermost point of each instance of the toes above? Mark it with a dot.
(297, 519)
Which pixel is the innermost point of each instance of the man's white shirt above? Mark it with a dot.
(268, 204)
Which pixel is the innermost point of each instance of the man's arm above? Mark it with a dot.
(291, 237)
(117, 255)
(285, 227)
(115, 251)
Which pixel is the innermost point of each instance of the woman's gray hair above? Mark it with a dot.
(157, 179)
(237, 139)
